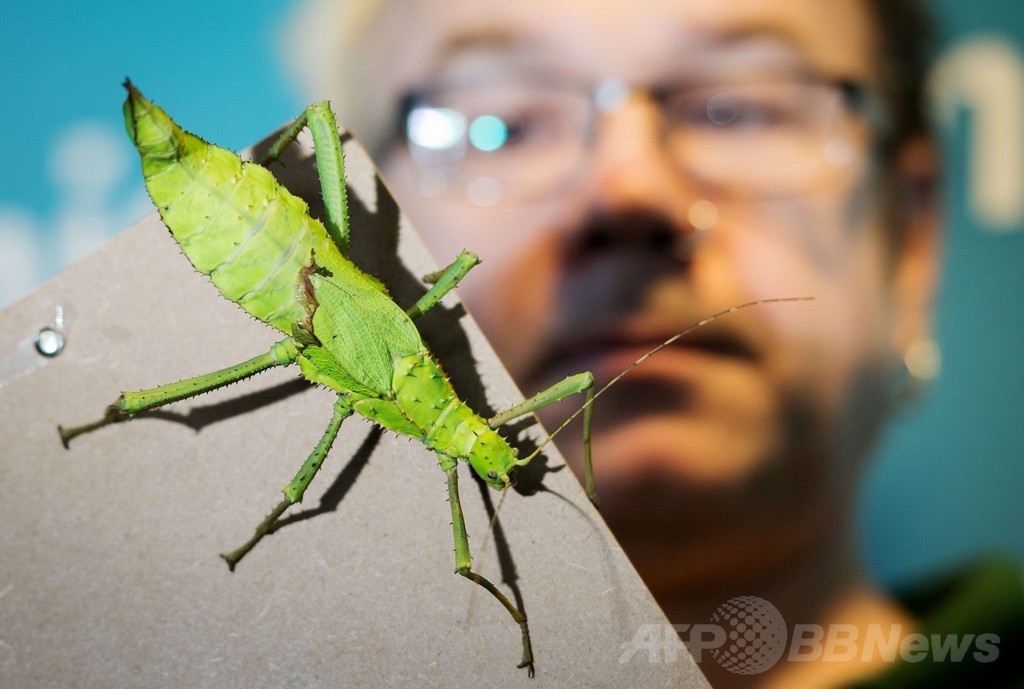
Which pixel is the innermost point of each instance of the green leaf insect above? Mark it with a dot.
(262, 250)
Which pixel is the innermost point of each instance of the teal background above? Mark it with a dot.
(948, 481)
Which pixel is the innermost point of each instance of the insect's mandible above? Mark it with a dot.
(262, 250)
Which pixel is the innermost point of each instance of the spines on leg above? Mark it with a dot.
(330, 162)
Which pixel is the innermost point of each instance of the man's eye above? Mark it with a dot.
(725, 111)
(504, 131)
(747, 113)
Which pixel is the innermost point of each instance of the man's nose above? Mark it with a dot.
(632, 168)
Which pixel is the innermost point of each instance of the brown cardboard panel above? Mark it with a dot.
(109, 567)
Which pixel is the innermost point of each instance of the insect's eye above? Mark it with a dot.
(492, 475)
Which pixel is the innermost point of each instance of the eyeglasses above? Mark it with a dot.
(519, 140)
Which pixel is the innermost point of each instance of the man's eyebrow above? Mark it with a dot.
(504, 41)
(485, 37)
(500, 37)
(761, 32)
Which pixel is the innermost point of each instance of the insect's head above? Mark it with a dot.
(497, 481)
(493, 459)
(492, 476)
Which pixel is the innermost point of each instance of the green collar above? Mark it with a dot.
(972, 623)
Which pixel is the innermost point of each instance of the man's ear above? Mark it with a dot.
(917, 259)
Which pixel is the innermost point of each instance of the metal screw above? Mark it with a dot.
(49, 342)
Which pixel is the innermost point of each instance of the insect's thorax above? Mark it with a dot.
(424, 406)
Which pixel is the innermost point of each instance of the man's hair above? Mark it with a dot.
(905, 33)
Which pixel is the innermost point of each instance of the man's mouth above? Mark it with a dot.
(608, 354)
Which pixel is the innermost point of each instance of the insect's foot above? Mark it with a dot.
(262, 530)
(112, 415)
(527, 661)
(65, 436)
(231, 558)
(236, 555)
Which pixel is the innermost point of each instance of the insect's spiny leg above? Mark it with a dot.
(444, 282)
(282, 353)
(581, 382)
(294, 491)
(330, 163)
(588, 462)
(559, 391)
(463, 560)
(237, 554)
(288, 136)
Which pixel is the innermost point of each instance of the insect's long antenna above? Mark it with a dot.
(645, 357)
(494, 519)
(481, 555)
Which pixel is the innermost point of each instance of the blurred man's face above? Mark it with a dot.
(755, 420)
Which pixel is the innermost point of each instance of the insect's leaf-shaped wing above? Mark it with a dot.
(362, 329)
(233, 220)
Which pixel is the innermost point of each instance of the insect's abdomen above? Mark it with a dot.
(232, 219)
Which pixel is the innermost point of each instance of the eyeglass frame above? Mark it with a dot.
(858, 98)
